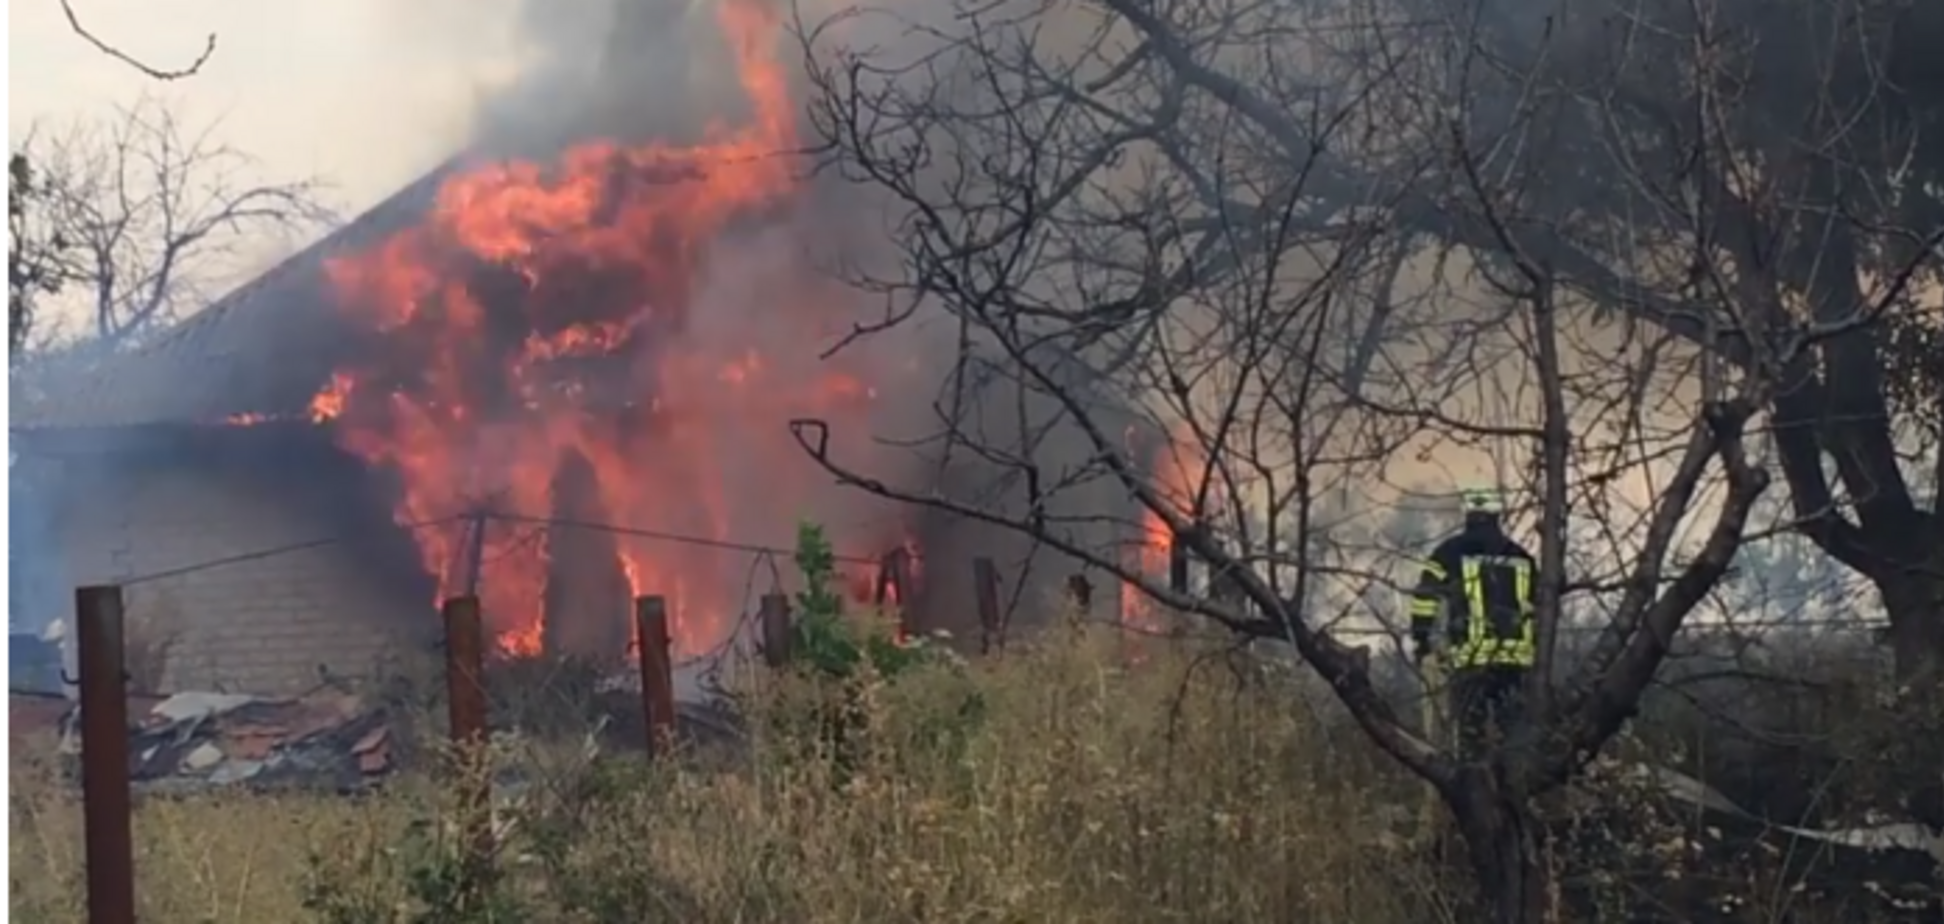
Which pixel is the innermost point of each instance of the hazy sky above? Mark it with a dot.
(361, 93)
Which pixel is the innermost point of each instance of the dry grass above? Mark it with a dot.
(1082, 792)
(1189, 788)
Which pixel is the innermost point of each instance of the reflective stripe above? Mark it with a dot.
(1476, 627)
(1528, 625)
(1481, 647)
(1424, 607)
(1436, 571)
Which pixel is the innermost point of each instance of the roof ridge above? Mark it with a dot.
(309, 255)
(206, 367)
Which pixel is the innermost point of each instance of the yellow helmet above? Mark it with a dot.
(1482, 501)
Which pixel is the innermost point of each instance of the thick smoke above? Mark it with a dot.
(623, 69)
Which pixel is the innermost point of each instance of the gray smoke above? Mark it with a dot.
(627, 70)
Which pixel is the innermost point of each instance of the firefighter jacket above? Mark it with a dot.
(1481, 581)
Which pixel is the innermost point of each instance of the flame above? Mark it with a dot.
(1170, 467)
(327, 404)
(542, 314)
(875, 585)
(521, 639)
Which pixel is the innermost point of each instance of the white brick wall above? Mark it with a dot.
(264, 625)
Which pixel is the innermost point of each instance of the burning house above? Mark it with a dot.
(556, 378)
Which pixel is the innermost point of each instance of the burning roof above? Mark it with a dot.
(616, 332)
(605, 318)
(259, 350)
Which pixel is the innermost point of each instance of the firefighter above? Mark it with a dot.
(1481, 582)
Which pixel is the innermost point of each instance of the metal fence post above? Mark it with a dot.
(466, 715)
(985, 588)
(105, 798)
(774, 617)
(1080, 592)
(657, 673)
(1177, 564)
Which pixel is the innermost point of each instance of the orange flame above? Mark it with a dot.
(539, 316)
(327, 404)
(1169, 468)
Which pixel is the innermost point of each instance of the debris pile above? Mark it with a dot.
(194, 741)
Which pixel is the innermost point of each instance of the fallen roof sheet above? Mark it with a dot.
(195, 740)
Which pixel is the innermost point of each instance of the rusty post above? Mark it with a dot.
(1177, 581)
(105, 802)
(465, 662)
(882, 591)
(985, 585)
(774, 619)
(1177, 565)
(466, 717)
(657, 673)
(1080, 592)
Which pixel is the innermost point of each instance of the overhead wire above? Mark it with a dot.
(276, 551)
(765, 555)
(762, 552)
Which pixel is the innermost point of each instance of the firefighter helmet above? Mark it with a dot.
(1482, 501)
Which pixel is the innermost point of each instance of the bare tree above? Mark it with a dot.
(1292, 238)
(37, 255)
(1760, 181)
(115, 52)
(150, 216)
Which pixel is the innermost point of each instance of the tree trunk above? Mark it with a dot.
(1915, 603)
(1507, 848)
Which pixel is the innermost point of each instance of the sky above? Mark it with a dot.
(361, 94)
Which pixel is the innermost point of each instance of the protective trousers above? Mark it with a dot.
(1486, 702)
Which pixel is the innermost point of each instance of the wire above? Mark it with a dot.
(665, 536)
(722, 649)
(273, 552)
(764, 552)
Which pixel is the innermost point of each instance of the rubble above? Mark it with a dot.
(198, 740)
(326, 741)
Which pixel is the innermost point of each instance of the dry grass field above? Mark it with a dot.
(1054, 785)
(1081, 791)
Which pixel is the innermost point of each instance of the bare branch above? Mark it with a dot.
(1332, 266)
(154, 216)
(74, 23)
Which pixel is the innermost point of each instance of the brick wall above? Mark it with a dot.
(266, 625)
